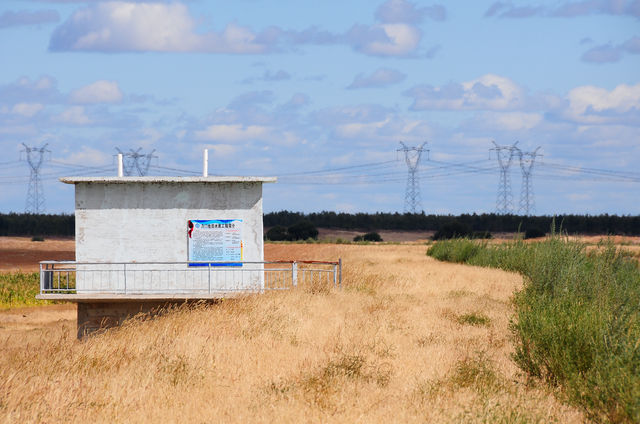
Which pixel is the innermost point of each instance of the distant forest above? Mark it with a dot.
(20, 224)
(27, 224)
(572, 224)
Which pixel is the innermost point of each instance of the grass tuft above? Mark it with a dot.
(474, 318)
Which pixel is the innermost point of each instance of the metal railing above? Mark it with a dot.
(193, 278)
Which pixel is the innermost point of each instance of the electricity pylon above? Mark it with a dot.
(527, 201)
(412, 203)
(134, 160)
(504, 201)
(35, 194)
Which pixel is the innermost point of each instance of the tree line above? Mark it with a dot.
(22, 224)
(27, 224)
(494, 223)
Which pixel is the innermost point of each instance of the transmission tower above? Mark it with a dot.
(35, 195)
(136, 161)
(527, 201)
(412, 203)
(504, 202)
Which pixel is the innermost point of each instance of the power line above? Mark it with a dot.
(136, 161)
(504, 200)
(412, 156)
(35, 195)
(527, 201)
(184, 171)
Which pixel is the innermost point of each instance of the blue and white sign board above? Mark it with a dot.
(215, 240)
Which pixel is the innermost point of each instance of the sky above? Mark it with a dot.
(321, 95)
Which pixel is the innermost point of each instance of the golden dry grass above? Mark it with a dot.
(396, 344)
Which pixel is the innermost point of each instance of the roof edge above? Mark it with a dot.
(153, 179)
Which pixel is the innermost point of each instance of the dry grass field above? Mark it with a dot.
(407, 339)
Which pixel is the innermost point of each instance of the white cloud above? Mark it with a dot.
(592, 104)
(121, 26)
(389, 128)
(608, 53)
(27, 109)
(489, 92)
(74, 115)
(223, 150)
(401, 39)
(161, 27)
(98, 92)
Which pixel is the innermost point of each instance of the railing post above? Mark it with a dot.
(209, 274)
(335, 275)
(340, 272)
(124, 270)
(41, 280)
(294, 273)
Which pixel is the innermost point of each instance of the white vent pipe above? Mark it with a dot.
(205, 163)
(120, 165)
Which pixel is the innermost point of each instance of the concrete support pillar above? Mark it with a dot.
(97, 316)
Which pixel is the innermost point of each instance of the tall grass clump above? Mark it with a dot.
(19, 289)
(577, 321)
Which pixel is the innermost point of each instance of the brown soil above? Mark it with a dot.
(22, 254)
(390, 236)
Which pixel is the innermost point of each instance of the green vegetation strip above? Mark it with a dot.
(577, 321)
(20, 289)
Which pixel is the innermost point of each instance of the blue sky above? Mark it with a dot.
(321, 93)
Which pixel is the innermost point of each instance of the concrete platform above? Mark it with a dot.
(114, 298)
(98, 312)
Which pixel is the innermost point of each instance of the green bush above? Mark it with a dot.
(452, 230)
(372, 236)
(277, 233)
(302, 230)
(577, 320)
(455, 229)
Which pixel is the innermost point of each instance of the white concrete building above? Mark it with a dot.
(176, 223)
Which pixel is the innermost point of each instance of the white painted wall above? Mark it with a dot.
(146, 221)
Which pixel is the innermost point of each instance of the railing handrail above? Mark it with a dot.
(60, 276)
(189, 262)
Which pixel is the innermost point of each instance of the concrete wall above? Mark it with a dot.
(147, 221)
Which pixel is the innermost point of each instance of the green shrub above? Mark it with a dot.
(457, 250)
(474, 318)
(452, 230)
(577, 320)
(481, 235)
(277, 233)
(372, 236)
(302, 231)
